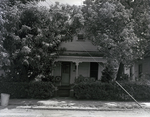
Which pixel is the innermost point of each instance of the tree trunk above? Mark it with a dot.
(120, 71)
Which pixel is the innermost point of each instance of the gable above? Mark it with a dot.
(80, 46)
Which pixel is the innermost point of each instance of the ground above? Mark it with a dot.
(72, 113)
(69, 107)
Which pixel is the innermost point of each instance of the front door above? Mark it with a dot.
(65, 73)
(64, 89)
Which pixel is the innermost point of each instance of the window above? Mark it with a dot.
(80, 36)
(140, 70)
(94, 70)
(131, 72)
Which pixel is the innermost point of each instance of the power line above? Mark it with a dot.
(115, 80)
(98, 63)
(48, 3)
(41, 4)
(128, 93)
(52, 2)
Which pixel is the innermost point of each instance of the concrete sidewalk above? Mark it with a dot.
(66, 103)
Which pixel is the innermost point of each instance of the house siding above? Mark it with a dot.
(57, 71)
(77, 45)
(84, 69)
(145, 67)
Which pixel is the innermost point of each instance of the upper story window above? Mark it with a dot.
(80, 36)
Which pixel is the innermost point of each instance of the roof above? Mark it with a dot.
(78, 46)
(80, 59)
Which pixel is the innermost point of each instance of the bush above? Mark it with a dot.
(15, 89)
(138, 91)
(85, 79)
(111, 91)
(94, 90)
(36, 90)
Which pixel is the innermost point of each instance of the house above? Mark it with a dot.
(140, 70)
(81, 59)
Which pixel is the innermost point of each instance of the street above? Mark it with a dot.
(72, 113)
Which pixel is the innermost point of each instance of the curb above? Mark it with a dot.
(75, 108)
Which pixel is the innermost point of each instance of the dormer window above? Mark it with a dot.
(80, 36)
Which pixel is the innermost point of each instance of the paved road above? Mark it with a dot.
(72, 113)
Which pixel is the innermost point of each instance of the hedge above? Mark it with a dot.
(138, 91)
(20, 90)
(111, 91)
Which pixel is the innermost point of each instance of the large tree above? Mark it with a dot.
(141, 16)
(113, 28)
(13, 2)
(3, 53)
(32, 36)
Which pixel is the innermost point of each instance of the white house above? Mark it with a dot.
(81, 58)
(140, 69)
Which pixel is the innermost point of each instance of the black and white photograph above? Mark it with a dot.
(74, 58)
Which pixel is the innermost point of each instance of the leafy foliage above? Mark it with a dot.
(34, 90)
(38, 90)
(96, 90)
(3, 54)
(26, 44)
(107, 74)
(12, 2)
(32, 37)
(141, 18)
(111, 91)
(110, 26)
(120, 30)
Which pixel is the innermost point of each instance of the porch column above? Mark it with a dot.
(77, 69)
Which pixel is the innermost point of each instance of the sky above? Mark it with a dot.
(71, 2)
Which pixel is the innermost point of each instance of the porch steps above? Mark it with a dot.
(63, 91)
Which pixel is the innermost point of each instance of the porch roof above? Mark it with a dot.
(81, 59)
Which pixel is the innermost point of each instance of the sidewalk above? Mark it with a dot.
(65, 103)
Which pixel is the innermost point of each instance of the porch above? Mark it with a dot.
(73, 67)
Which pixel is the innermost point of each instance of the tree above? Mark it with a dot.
(111, 26)
(32, 36)
(13, 2)
(3, 54)
(141, 16)
(107, 73)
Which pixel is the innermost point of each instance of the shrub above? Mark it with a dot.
(94, 90)
(85, 79)
(111, 91)
(138, 91)
(15, 89)
(36, 90)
